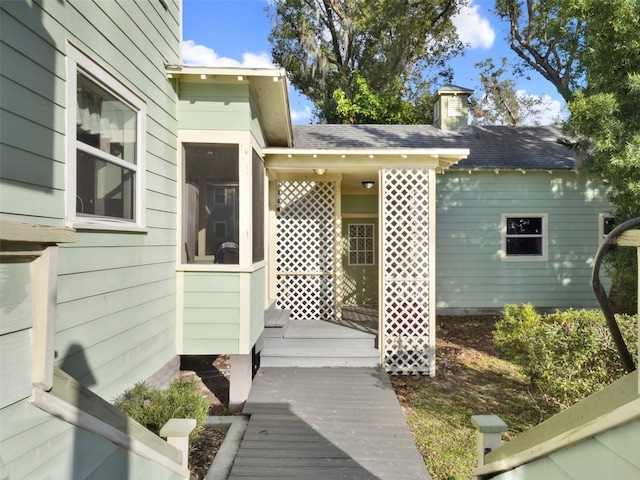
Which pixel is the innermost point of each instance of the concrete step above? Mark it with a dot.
(317, 343)
(317, 334)
(311, 343)
(319, 357)
(276, 317)
(323, 329)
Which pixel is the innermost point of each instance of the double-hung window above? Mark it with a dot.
(105, 161)
(524, 236)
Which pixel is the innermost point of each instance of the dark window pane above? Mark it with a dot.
(608, 224)
(524, 246)
(524, 225)
(211, 217)
(103, 189)
(257, 180)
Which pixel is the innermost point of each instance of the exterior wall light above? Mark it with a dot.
(368, 184)
(319, 171)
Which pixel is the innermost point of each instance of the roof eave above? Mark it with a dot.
(269, 87)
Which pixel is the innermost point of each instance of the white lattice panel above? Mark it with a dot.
(407, 345)
(308, 297)
(305, 248)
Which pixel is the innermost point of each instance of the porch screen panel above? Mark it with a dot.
(305, 248)
(408, 348)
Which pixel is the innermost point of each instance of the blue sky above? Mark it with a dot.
(235, 33)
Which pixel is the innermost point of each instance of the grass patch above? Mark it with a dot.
(470, 380)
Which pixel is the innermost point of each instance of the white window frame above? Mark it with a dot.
(77, 62)
(601, 219)
(545, 238)
(373, 245)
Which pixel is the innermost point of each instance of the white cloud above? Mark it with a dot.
(301, 116)
(547, 112)
(473, 29)
(194, 54)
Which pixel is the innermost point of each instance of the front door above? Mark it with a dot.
(360, 261)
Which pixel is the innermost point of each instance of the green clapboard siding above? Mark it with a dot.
(359, 204)
(15, 358)
(470, 271)
(211, 313)
(15, 297)
(116, 312)
(206, 106)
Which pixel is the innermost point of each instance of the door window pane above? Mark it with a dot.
(361, 244)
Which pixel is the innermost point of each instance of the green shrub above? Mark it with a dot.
(565, 355)
(153, 408)
(513, 332)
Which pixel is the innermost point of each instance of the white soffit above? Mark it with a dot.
(344, 160)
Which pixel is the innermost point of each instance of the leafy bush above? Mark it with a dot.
(153, 408)
(565, 355)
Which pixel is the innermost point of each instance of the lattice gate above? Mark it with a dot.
(408, 344)
(305, 246)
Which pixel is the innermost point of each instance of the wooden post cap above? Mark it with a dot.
(178, 427)
(489, 423)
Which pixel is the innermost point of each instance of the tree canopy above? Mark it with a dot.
(588, 49)
(605, 114)
(356, 54)
(497, 101)
(548, 37)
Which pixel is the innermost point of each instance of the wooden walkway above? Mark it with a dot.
(326, 423)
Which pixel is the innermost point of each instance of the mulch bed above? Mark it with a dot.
(212, 373)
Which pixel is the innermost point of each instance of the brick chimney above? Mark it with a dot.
(451, 107)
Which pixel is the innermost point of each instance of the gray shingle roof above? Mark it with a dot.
(530, 148)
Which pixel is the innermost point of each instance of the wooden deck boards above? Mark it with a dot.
(326, 423)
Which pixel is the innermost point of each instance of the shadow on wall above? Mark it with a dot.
(90, 455)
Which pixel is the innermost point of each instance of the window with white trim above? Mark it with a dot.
(524, 236)
(606, 224)
(361, 244)
(105, 166)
